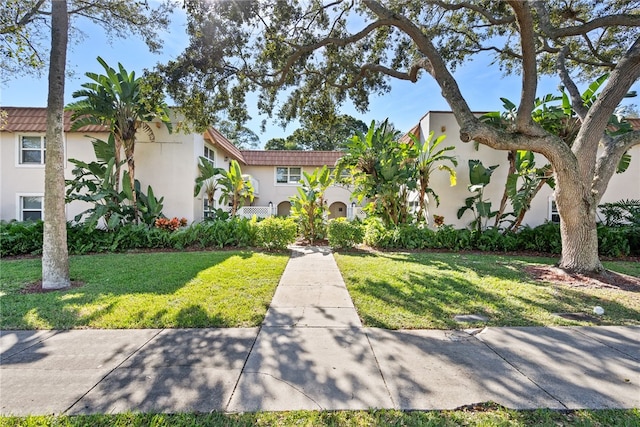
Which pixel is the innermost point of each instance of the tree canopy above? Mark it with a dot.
(308, 58)
(25, 27)
(320, 136)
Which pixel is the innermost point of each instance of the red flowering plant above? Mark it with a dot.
(170, 224)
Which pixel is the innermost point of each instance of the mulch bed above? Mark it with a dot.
(36, 288)
(605, 280)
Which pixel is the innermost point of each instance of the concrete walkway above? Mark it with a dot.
(313, 353)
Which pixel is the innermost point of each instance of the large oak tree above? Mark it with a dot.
(27, 27)
(316, 55)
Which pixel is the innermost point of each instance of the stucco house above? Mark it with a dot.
(622, 186)
(169, 165)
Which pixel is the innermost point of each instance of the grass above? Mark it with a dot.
(148, 290)
(426, 290)
(493, 417)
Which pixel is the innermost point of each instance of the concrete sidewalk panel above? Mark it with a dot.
(223, 348)
(81, 349)
(12, 342)
(310, 278)
(625, 339)
(317, 296)
(574, 368)
(431, 369)
(168, 389)
(179, 370)
(312, 317)
(300, 368)
(44, 391)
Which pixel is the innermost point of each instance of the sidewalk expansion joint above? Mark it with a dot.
(244, 364)
(607, 345)
(384, 380)
(112, 370)
(519, 371)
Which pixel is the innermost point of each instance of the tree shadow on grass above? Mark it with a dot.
(117, 284)
(419, 297)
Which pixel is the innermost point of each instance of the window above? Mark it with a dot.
(209, 211)
(554, 216)
(210, 155)
(30, 208)
(32, 150)
(288, 175)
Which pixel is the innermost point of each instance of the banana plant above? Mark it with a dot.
(236, 187)
(479, 178)
(309, 207)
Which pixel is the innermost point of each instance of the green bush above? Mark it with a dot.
(614, 241)
(344, 234)
(276, 233)
(21, 238)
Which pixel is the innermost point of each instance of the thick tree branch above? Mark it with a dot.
(622, 20)
(26, 18)
(621, 78)
(567, 81)
(529, 67)
(303, 50)
(476, 8)
(607, 162)
(438, 69)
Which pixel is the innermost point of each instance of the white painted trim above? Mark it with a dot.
(19, 197)
(287, 184)
(18, 151)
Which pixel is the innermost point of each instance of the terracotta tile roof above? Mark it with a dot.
(34, 119)
(415, 131)
(291, 157)
(216, 138)
(635, 123)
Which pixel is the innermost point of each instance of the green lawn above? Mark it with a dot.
(426, 290)
(492, 417)
(147, 290)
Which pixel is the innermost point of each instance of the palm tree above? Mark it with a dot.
(429, 159)
(120, 101)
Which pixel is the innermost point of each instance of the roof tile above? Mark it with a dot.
(291, 157)
(34, 119)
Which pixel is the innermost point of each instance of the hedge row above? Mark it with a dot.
(22, 238)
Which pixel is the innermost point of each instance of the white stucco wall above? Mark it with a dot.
(621, 186)
(17, 179)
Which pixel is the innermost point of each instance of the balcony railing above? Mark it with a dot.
(267, 211)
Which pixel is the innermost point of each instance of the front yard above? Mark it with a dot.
(146, 290)
(426, 290)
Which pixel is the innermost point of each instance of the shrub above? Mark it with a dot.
(276, 233)
(614, 241)
(21, 238)
(344, 234)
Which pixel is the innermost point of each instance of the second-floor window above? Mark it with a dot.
(32, 150)
(288, 175)
(210, 155)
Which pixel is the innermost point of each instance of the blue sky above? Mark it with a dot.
(481, 83)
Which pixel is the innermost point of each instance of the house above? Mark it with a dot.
(169, 165)
(622, 186)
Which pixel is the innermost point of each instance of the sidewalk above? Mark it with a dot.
(313, 353)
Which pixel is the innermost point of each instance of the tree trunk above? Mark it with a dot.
(578, 230)
(55, 255)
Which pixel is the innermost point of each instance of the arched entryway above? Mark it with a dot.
(284, 208)
(337, 210)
